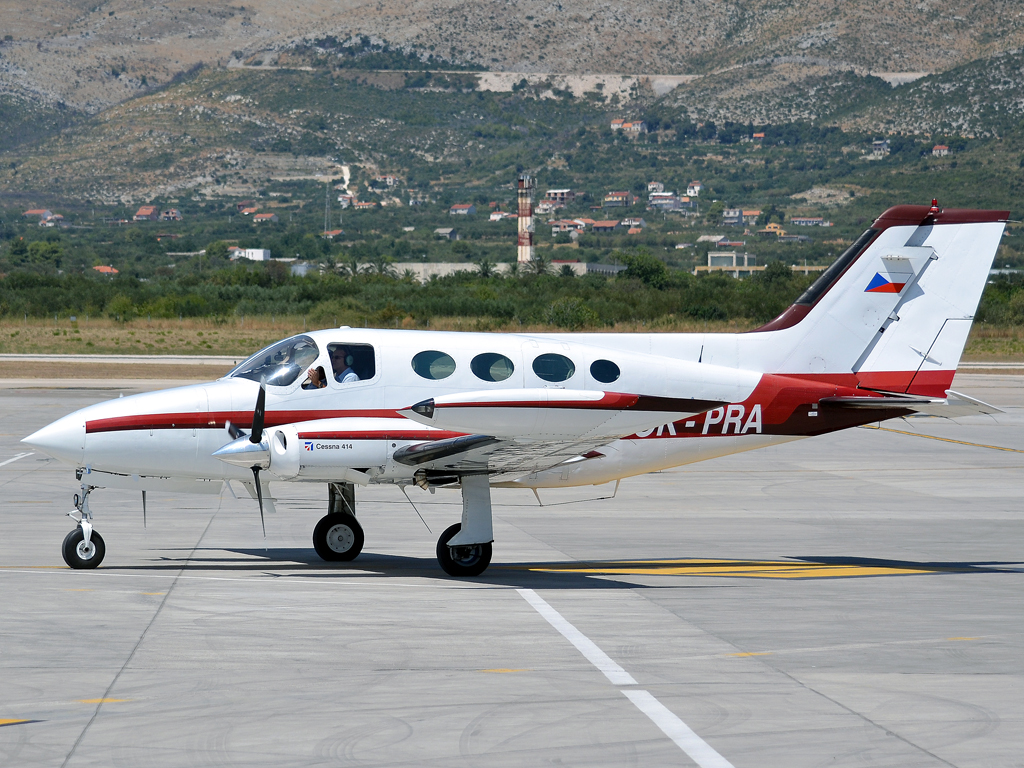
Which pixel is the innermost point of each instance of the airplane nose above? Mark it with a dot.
(64, 439)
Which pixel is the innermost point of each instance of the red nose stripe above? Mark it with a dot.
(216, 419)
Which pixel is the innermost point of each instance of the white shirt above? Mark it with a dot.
(347, 376)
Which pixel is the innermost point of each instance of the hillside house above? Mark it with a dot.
(559, 197)
(333, 233)
(265, 218)
(809, 221)
(606, 226)
(567, 225)
(346, 200)
(879, 148)
(663, 201)
(462, 209)
(940, 150)
(545, 207)
(241, 206)
(655, 187)
(694, 188)
(633, 127)
(171, 214)
(147, 213)
(38, 213)
(446, 233)
(53, 220)
(750, 217)
(732, 217)
(758, 137)
(618, 199)
(501, 215)
(252, 254)
(388, 180)
(772, 229)
(369, 205)
(716, 239)
(103, 269)
(638, 223)
(249, 211)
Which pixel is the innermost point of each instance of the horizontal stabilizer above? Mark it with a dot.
(954, 405)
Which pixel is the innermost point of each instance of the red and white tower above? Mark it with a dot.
(525, 244)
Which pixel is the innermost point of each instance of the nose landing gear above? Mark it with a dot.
(83, 547)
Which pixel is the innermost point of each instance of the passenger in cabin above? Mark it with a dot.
(341, 361)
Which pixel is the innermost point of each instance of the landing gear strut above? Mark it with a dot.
(338, 536)
(83, 547)
(464, 549)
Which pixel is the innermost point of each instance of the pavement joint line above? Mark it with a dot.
(19, 456)
(944, 439)
(106, 694)
(668, 722)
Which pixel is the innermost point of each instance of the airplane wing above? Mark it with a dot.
(516, 432)
(954, 405)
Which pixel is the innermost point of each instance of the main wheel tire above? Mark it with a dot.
(338, 537)
(78, 554)
(471, 560)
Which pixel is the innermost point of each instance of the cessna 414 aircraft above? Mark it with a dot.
(877, 336)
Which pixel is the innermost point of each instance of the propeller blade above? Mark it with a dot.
(258, 414)
(259, 498)
(234, 431)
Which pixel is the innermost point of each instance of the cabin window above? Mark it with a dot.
(279, 364)
(551, 367)
(352, 362)
(604, 371)
(433, 365)
(490, 366)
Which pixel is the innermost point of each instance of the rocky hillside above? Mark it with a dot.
(89, 56)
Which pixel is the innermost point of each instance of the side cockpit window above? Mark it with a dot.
(279, 364)
(351, 362)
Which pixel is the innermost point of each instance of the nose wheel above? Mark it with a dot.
(79, 553)
(83, 547)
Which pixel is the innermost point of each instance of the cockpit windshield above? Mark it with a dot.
(281, 363)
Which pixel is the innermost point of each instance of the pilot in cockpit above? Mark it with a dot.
(341, 362)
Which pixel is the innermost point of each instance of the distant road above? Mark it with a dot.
(217, 360)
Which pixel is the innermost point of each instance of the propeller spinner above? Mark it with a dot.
(252, 450)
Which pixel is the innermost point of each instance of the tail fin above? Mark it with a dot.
(893, 312)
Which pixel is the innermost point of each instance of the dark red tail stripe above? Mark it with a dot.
(216, 419)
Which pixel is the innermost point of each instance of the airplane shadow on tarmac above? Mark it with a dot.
(304, 563)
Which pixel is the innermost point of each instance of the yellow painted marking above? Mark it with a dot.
(753, 653)
(944, 439)
(504, 671)
(4, 722)
(963, 638)
(102, 701)
(768, 569)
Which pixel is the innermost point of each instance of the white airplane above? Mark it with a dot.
(877, 336)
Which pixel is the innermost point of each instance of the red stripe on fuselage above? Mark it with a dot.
(216, 419)
(381, 435)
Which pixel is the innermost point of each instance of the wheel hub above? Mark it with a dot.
(86, 550)
(465, 555)
(340, 538)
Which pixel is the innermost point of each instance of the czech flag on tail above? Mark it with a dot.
(881, 284)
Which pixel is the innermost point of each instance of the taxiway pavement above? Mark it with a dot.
(848, 600)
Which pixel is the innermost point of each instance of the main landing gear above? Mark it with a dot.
(83, 547)
(338, 536)
(463, 550)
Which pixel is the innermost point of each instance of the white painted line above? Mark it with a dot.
(616, 674)
(693, 745)
(19, 456)
(688, 741)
